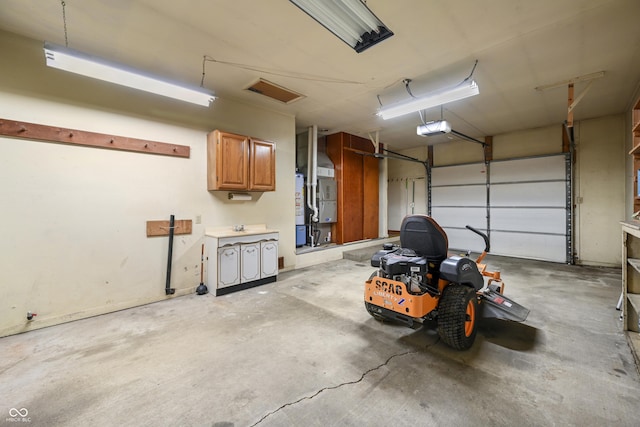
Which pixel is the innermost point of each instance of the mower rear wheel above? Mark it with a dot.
(457, 315)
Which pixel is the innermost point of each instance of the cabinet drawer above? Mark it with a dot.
(249, 238)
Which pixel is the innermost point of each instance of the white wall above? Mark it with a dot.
(73, 218)
(600, 189)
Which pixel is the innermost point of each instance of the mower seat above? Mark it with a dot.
(423, 235)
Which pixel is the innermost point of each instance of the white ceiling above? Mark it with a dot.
(520, 45)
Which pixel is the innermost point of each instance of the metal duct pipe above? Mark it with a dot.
(312, 171)
(312, 178)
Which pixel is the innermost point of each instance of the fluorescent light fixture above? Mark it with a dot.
(350, 20)
(434, 99)
(73, 61)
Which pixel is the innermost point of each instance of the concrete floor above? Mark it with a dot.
(304, 352)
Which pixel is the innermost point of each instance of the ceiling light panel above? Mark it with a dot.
(76, 62)
(434, 99)
(349, 20)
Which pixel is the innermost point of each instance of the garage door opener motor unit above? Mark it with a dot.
(418, 282)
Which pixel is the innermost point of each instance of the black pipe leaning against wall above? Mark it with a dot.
(168, 289)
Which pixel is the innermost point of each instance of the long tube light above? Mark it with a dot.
(73, 61)
(432, 100)
(350, 20)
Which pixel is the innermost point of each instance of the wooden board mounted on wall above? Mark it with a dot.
(38, 132)
(161, 228)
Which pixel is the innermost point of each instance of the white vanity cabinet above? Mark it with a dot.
(239, 260)
(269, 257)
(228, 265)
(250, 262)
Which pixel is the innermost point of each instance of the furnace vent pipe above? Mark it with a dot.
(312, 171)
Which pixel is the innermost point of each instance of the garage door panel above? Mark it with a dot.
(533, 169)
(462, 240)
(529, 194)
(472, 195)
(460, 217)
(532, 246)
(529, 219)
(473, 173)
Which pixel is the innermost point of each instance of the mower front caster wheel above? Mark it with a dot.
(377, 316)
(457, 313)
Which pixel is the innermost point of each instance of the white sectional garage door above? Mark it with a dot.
(523, 204)
(528, 208)
(458, 199)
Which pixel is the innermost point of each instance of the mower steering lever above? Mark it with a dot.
(481, 234)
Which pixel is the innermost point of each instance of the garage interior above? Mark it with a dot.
(119, 203)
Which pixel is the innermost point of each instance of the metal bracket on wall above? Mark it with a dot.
(33, 131)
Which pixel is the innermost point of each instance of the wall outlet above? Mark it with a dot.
(198, 219)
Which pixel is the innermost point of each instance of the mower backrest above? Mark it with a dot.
(422, 234)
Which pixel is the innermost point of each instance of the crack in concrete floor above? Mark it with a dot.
(362, 377)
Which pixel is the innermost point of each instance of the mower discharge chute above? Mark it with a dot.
(418, 281)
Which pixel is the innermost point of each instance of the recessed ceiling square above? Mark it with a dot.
(274, 91)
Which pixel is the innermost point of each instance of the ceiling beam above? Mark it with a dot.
(574, 80)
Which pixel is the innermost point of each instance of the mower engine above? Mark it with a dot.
(402, 265)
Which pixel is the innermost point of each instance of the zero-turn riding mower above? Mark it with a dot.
(418, 281)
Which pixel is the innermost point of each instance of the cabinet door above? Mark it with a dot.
(228, 161)
(228, 266)
(269, 251)
(262, 176)
(352, 196)
(370, 198)
(357, 180)
(250, 262)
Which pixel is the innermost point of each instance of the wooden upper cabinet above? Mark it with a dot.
(228, 161)
(262, 166)
(238, 162)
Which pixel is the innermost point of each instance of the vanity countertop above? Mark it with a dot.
(249, 230)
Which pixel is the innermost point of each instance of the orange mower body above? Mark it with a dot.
(418, 281)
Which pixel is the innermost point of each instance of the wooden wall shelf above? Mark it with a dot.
(33, 131)
(161, 228)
